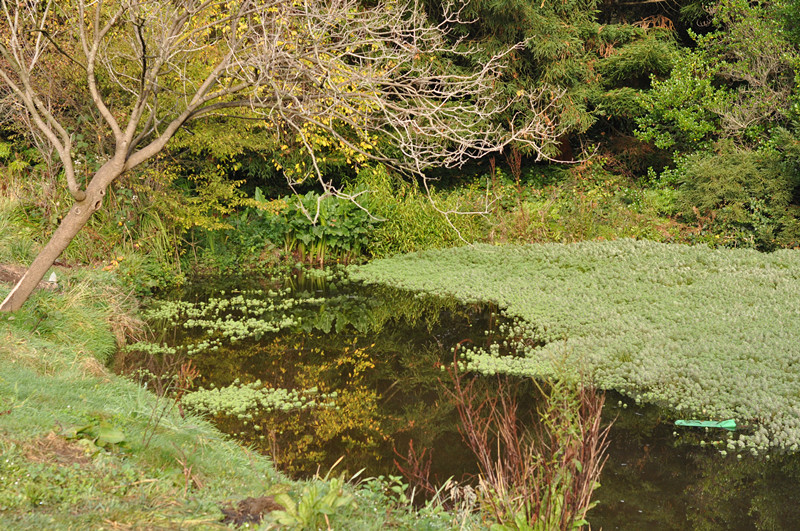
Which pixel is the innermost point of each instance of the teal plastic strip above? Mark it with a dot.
(729, 424)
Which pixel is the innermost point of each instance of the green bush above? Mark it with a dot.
(589, 203)
(743, 198)
(679, 112)
(414, 220)
(653, 55)
(321, 227)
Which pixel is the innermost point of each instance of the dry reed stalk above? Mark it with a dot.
(546, 473)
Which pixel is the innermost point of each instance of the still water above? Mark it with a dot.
(383, 351)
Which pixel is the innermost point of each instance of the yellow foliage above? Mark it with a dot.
(212, 195)
(300, 440)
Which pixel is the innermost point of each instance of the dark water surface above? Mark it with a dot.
(382, 351)
(656, 480)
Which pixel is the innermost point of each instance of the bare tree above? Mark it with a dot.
(152, 66)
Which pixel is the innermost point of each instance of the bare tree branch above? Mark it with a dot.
(381, 81)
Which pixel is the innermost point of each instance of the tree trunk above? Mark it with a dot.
(565, 148)
(72, 223)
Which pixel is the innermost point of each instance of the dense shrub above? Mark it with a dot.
(742, 197)
(322, 226)
(414, 220)
(588, 203)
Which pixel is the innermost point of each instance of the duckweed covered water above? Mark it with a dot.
(357, 372)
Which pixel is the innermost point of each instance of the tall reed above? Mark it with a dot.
(538, 474)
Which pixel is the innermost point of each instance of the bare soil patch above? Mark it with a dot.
(56, 450)
(250, 510)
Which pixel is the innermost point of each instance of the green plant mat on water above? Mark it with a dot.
(712, 333)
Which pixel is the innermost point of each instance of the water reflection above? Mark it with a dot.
(654, 479)
(381, 350)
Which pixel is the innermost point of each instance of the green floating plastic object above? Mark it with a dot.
(729, 424)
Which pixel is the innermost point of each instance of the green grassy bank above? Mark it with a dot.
(83, 448)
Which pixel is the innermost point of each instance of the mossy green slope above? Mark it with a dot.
(710, 333)
(83, 448)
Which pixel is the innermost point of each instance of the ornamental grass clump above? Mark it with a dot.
(710, 333)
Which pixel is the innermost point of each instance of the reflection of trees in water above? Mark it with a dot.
(746, 493)
(643, 482)
(654, 481)
(381, 351)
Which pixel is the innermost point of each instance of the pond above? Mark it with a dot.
(366, 367)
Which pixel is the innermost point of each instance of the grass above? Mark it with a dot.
(168, 471)
(588, 203)
(16, 236)
(584, 202)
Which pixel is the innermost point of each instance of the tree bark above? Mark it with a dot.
(73, 222)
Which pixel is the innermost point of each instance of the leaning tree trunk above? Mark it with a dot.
(73, 222)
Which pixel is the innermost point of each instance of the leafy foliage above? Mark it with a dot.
(320, 227)
(757, 61)
(567, 49)
(318, 502)
(413, 220)
(654, 55)
(681, 110)
(539, 473)
(738, 83)
(743, 197)
(588, 202)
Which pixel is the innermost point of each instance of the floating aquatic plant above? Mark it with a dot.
(242, 400)
(707, 332)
